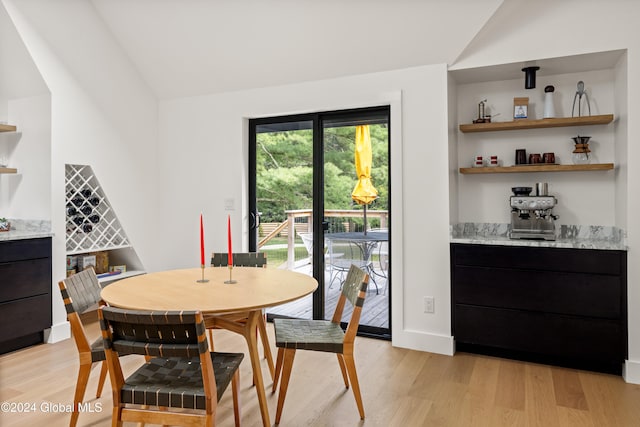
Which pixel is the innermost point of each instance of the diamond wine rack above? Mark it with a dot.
(92, 225)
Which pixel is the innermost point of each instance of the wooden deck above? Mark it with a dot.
(375, 311)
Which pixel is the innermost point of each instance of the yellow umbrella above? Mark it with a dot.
(364, 192)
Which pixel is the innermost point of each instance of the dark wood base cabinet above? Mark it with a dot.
(25, 292)
(565, 307)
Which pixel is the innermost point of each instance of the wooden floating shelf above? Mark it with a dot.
(537, 124)
(7, 128)
(534, 168)
(8, 170)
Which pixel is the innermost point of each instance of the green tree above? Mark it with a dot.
(284, 169)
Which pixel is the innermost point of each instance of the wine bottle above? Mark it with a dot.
(86, 209)
(94, 218)
(95, 201)
(77, 201)
(78, 220)
(71, 211)
(87, 228)
(86, 193)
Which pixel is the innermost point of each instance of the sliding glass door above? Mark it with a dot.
(307, 210)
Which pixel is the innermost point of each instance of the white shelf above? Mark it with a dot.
(105, 248)
(109, 279)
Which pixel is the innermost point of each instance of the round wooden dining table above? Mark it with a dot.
(254, 290)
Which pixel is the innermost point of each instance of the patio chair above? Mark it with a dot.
(322, 335)
(307, 240)
(181, 382)
(80, 293)
(342, 255)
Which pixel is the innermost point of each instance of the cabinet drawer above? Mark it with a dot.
(587, 261)
(16, 250)
(540, 333)
(554, 292)
(24, 279)
(25, 316)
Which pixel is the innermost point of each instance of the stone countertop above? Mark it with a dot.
(26, 229)
(567, 236)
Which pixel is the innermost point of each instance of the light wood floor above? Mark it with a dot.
(400, 388)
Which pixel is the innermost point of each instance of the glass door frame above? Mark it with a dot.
(318, 261)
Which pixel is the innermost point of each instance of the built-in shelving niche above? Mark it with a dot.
(92, 224)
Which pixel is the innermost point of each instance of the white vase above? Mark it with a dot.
(549, 111)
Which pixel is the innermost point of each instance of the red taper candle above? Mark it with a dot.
(230, 256)
(201, 242)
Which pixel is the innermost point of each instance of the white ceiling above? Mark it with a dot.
(185, 48)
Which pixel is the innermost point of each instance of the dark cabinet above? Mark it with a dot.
(550, 305)
(25, 292)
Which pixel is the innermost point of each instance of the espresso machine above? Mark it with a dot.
(531, 216)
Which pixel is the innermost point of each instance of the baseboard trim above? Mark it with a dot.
(422, 341)
(57, 332)
(631, 371)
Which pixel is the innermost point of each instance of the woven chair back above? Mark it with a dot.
(240, 259)
(156, 334)
(83, 289)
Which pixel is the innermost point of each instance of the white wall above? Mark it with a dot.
(621, 127)
(19, 77)
(26, 103)
(521, 31)
(203, 142)
(102, 114)
(27, 194)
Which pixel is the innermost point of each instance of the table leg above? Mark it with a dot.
(262, 328)
(252, 343)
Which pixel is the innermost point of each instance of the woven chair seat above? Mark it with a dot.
(97, 351)
(177, 382)
(318, 335)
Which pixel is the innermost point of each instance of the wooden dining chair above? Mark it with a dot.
(79, 293)
(323, 335)
(244, 259)
(181, 383)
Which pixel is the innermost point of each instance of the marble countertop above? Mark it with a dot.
(26, 229)
(567, 236)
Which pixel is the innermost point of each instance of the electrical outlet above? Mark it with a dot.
(429, 304)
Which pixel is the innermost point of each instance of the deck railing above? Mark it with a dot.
(292, 215)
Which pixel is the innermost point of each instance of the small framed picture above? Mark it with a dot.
(520, 108)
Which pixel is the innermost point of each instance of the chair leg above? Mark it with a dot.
(103, 376)
(81, 386)
(262, 328)
(278, 369)
(235, 390)
(355, 386)
(343, 369)
(116, 417)
(289, 355)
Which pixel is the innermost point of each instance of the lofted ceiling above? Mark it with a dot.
(185, 48)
